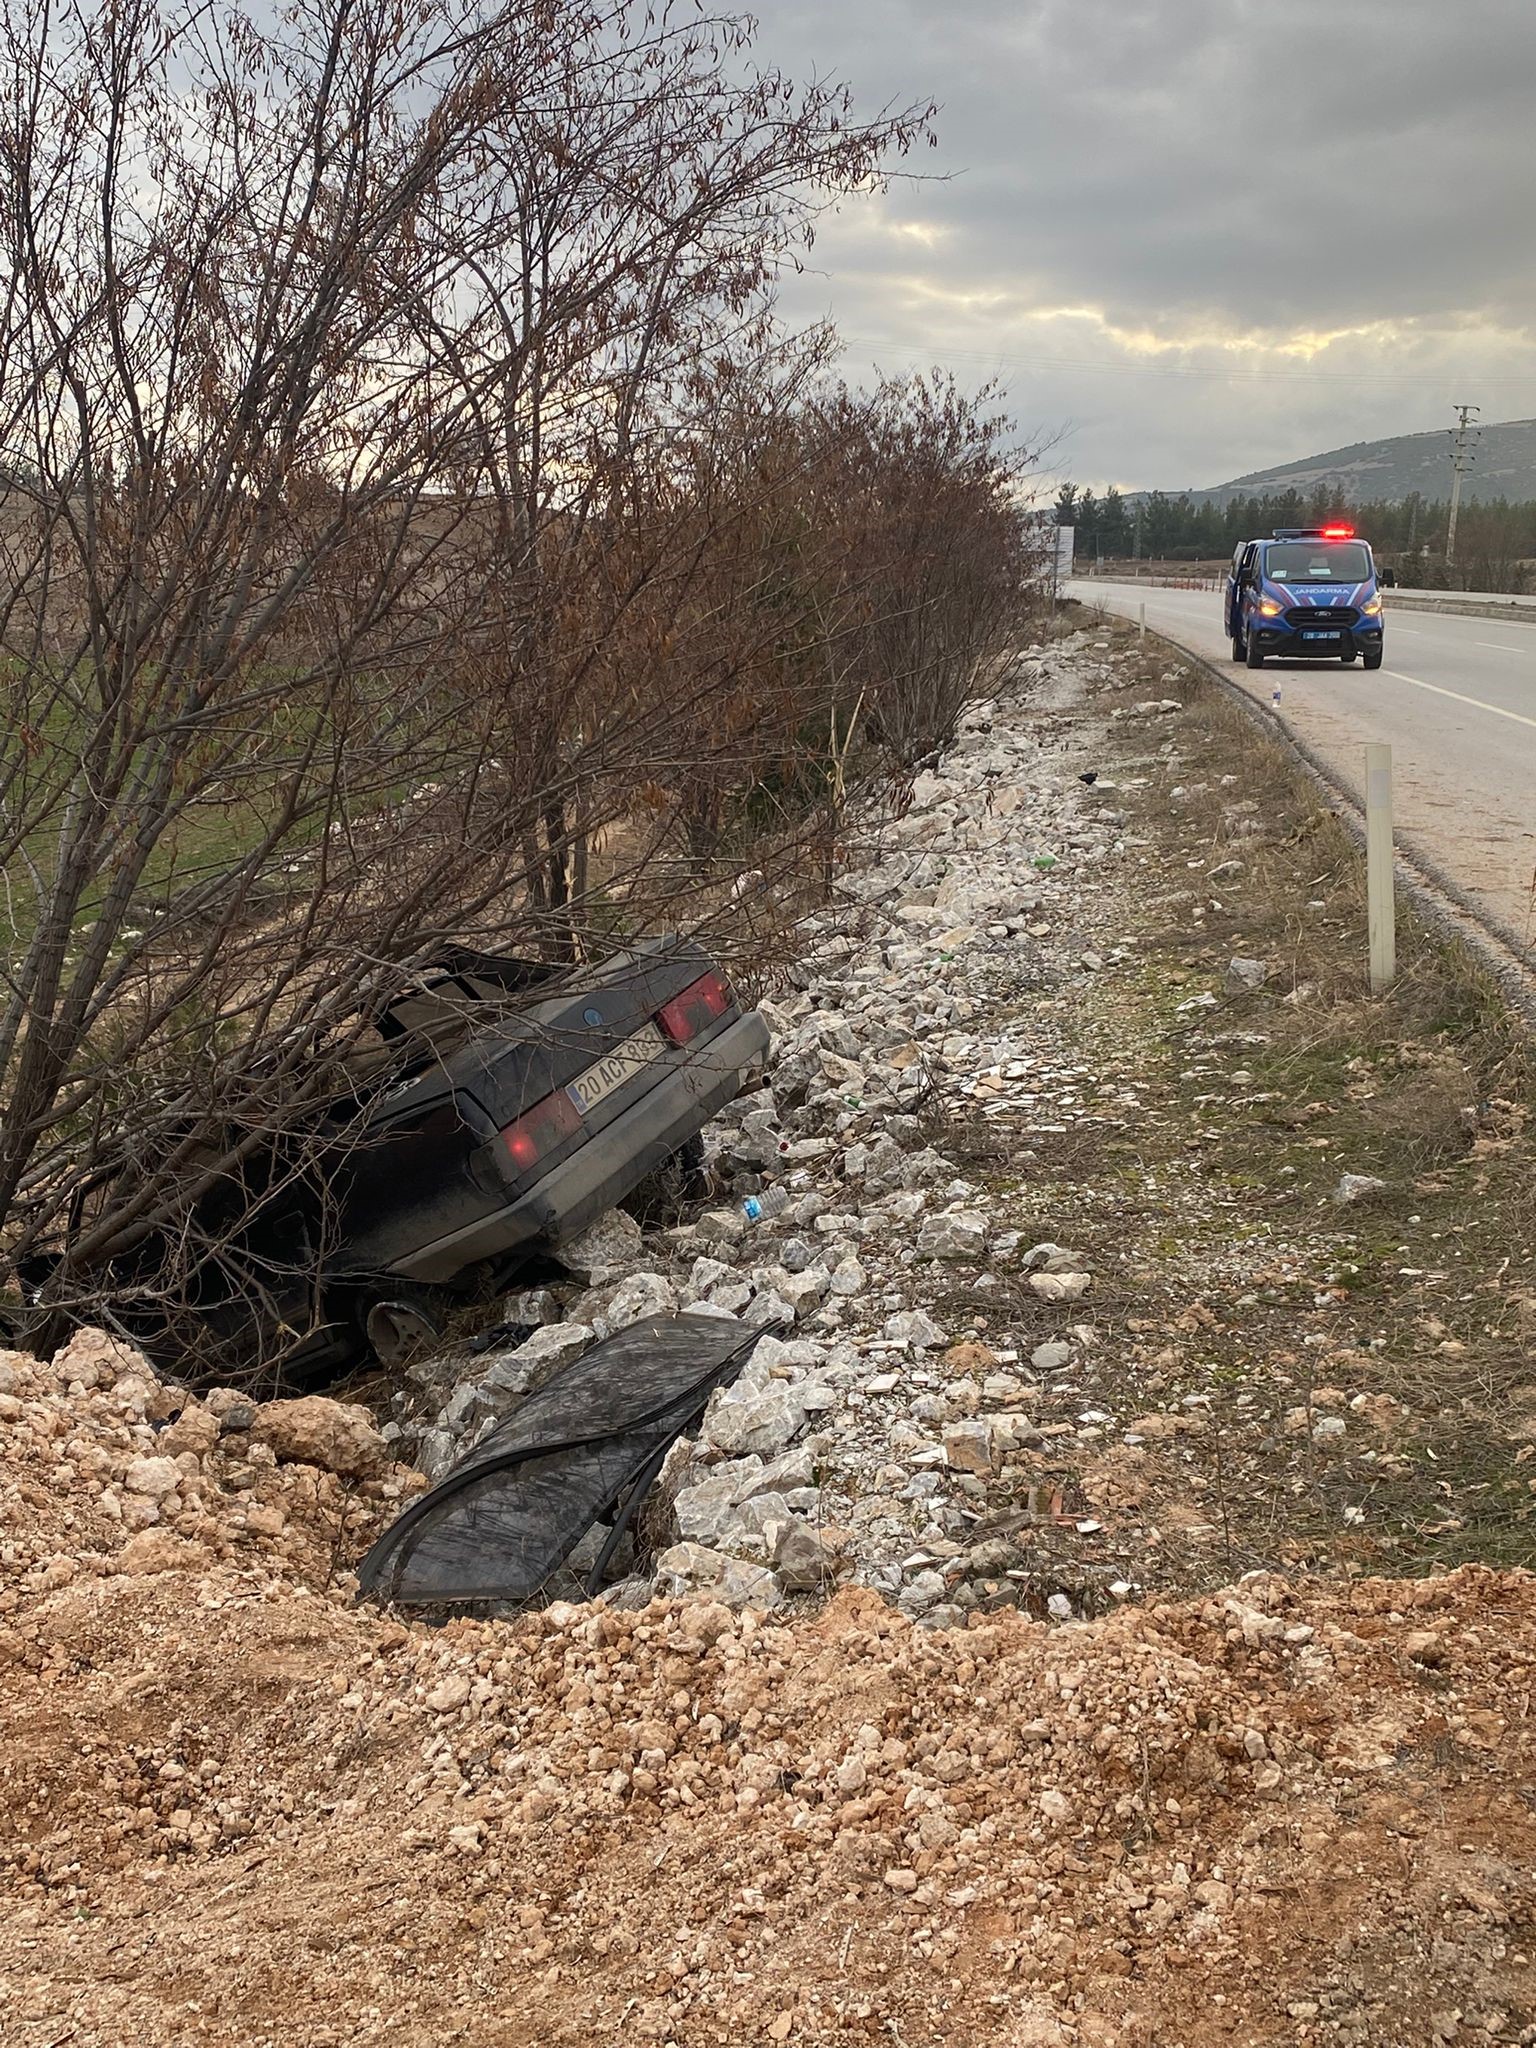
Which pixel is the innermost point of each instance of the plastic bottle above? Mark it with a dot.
(771, 1202)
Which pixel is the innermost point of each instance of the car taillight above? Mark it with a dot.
(699, 1004)
(540, 1129)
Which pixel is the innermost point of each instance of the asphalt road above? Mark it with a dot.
(1455, 698)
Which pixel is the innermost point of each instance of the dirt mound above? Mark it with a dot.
(106, 1469)
(235, 1812)
(235, 1809)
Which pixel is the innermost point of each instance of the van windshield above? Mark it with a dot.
(1317, 561)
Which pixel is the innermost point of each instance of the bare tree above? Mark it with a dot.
(335, 349)
(930, 480)
(869, 564)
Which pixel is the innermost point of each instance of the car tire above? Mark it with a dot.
(398, 1323)
(1373, 658)
(1251, 653)
(1237, 648)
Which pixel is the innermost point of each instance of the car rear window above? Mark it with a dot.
(1313, 561)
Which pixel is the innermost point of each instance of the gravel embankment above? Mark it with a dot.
(864, 1436)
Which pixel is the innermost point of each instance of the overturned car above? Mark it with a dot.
(502, 1105)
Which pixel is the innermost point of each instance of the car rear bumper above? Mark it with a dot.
(609, 1166)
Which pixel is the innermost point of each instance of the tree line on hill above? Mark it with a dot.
(1495, 543)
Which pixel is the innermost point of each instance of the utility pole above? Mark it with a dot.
(1462, 459)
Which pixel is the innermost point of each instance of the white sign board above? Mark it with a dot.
(1057, 545)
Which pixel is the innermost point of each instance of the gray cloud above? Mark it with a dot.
(1200, 234)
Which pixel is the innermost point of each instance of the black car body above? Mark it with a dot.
(507, 1105)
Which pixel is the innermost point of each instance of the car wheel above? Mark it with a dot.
(1252, 655)
(398, 1324)
(1237, 647)
(1373, 658)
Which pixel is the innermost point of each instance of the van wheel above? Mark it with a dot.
(1373, 658)
(1252, 655)
(1237, 648)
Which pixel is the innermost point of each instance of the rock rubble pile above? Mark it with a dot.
(862, 1436)
(108, 1469)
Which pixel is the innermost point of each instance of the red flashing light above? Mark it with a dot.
(699, 1004)
(1338, 533)
(540, 1129)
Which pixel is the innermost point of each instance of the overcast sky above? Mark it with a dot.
(1195, 237)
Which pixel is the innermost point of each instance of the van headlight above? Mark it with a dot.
(1268, 609)
(1371, 607)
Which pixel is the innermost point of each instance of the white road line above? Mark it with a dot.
(1477, 703)
(1503, 646)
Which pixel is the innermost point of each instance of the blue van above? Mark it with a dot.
(1308, 593)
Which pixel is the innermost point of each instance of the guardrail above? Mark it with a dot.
(1467, 604)
(1477, 604)
(1155, 582)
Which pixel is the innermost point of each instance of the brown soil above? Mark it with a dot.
(1271, 1378)
(241, 1815)
(234, 1811)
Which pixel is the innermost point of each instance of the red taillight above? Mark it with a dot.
(699, 1004)
(1338, 533)
(540, 1129)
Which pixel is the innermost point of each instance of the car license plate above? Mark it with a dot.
(1320, 636)
(606, 1076)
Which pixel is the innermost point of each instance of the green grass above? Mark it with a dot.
(210, 837)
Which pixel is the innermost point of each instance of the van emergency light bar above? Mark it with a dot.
(1313, 533)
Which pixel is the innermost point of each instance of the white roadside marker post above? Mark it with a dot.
(1142, 634)
(1380, 896)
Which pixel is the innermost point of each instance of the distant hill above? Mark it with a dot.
(1389, 471)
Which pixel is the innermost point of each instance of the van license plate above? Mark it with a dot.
(608, 1075)
(1320, 636)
